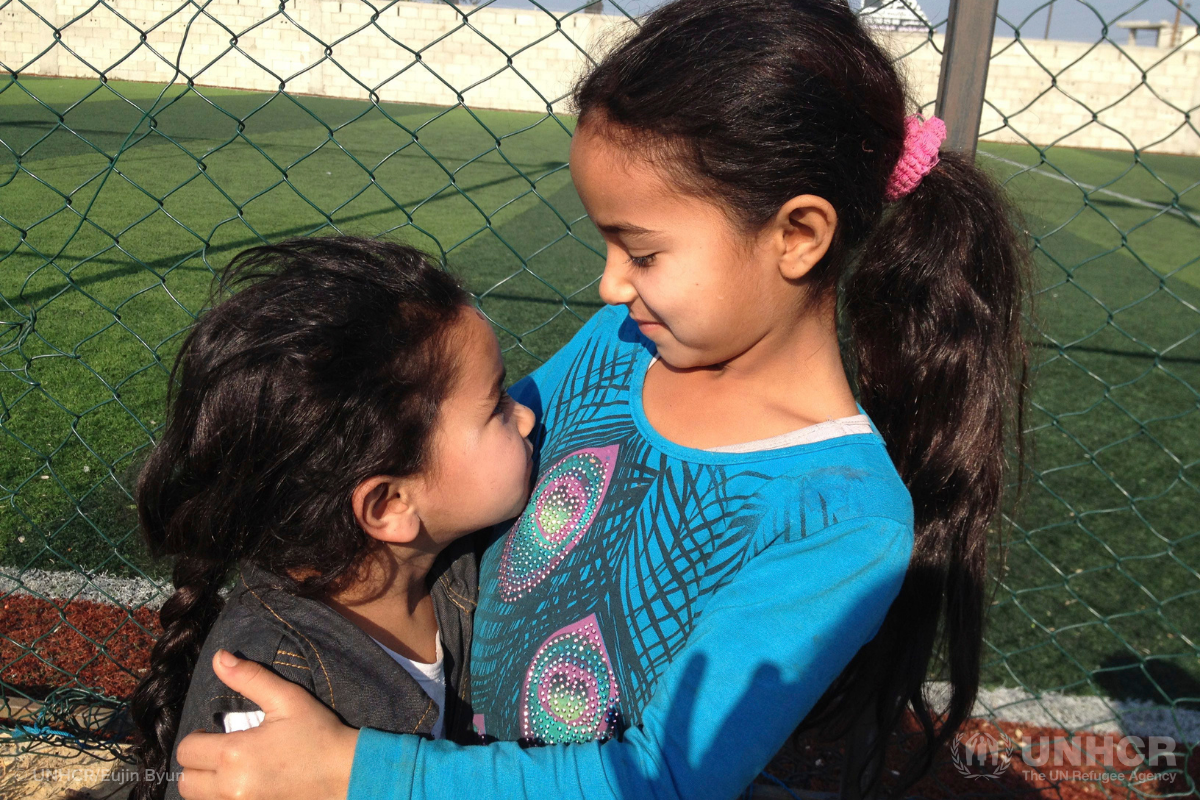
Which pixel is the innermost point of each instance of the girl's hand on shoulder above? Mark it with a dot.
(301, 751)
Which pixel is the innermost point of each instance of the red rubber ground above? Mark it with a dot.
(92, 645)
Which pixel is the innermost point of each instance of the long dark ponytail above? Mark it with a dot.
(325, 367)
(752, 102)
(934, 308)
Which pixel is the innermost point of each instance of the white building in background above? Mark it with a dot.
(894, 15)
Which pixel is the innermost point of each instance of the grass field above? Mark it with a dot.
(104, 262)
(1102, 571)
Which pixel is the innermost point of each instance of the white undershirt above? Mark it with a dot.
(430, 677)
(829, 429)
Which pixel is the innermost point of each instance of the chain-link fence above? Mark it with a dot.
(144, 142)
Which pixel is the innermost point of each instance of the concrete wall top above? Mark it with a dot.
(1086, 94)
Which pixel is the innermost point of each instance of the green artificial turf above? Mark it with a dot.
(1102, 567)
(117, 220)
(120, 212)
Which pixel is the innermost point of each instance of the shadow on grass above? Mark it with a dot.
(1108, 351)
(1125, 676)
(97, 534)
(209, 251)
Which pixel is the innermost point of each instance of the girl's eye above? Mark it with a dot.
(642, 261)
(505, 402)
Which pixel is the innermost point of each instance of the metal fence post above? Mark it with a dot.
(969, 31)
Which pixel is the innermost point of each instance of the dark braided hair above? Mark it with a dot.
(750, 103)
(326, 367)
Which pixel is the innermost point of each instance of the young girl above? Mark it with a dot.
(722, 543)
(338, 426)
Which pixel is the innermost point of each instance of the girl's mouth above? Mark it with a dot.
(647, 325)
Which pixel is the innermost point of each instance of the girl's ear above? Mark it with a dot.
(805, 225)
(385, 508)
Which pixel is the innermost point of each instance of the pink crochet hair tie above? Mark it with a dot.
(922, 138)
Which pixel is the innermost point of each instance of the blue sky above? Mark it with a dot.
(1071, 19)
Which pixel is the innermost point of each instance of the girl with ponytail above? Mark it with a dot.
(324, 422)
(743, 524)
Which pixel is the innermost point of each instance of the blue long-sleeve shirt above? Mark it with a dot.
(660, 617)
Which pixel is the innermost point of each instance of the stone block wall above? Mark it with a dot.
(1077, 94)
(1082, 94)
(409, 52)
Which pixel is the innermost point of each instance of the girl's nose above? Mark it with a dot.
(615, 288)
(525, 419)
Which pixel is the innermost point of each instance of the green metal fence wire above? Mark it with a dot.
(1102, 593)
(120, 200)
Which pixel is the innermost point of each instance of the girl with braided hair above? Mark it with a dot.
(336, 429)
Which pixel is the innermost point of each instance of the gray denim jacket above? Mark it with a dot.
(310, 644)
